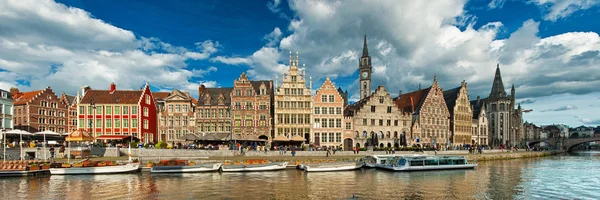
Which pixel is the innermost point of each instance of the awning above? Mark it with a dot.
(113, 137)
(281, 138)
(79, 135)
(298, 138)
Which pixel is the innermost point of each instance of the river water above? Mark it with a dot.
(563, 177)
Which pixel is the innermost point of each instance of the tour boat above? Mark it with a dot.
(330, 167)
(131, 167)
(254, 167)
(373, 161)
(418, 163)
(186, 169)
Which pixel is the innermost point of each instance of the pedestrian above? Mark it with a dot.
(394, 150)
(293, 151)
(327, 153)
(52, 153)
(357, 150)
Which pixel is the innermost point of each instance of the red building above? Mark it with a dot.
(119, 112)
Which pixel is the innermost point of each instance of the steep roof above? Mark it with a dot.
(117, 97)
(214, 94)
(160, 95)
(8, 94)
(256, 85)
(356, 106)
(23, 98)
(476, 107)
(365, 52)
(497, 86)
(411, 102)
(70, 99)
(450, 97)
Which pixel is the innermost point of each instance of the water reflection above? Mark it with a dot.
(555, 177)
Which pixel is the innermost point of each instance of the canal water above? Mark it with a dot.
(559, 177)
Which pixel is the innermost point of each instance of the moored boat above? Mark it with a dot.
(420, 163)
(211, 167)
(109, 169)
(330, 167)
(374, 160)
(254, 167)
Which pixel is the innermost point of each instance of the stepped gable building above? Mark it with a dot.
(252, 108)
(365, 69)
(213, 110)
(176, 113)
(459, 106)
(506, 122)
(344, 95)
(39, 110)
(479, 125)
(113, 114)
(430, 121)
(328, 106)
(71, 102)
(6, 110)
(378, 122)
(293, 107)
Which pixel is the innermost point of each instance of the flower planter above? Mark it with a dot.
(102, 164)
(34, 168)
(45, 167)
(150, 165)
(160, 164)
(78, 165)
(65, 165)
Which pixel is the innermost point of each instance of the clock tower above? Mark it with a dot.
(365, 69)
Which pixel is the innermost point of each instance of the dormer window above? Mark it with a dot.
(293, 78)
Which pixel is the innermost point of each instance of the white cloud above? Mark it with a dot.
(557, 9)
(232, 60)
(496, 4)
(273, 37)
(51, 44)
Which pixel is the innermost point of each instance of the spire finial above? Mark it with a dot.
(365, 49)
(435, 78)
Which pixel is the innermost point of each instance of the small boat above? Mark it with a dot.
(419, 163)
(186, 169)
(373, 161)
(131, 167)
(254, 167)
(330, 167)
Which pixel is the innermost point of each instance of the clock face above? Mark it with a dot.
(365, 74)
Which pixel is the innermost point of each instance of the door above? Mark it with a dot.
(347, 144)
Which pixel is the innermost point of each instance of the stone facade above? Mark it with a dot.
(328, 116)
(479, 124)
(461, 115)
(293, 104)
(252, 107)
(213, 110)
(378, 122)
(39, 110)
(506, 122)
(176, 113)
(430, 121)
(348, 132)
(6, 110)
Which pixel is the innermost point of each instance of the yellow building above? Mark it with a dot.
(459, 106)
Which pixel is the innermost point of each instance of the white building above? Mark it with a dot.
(6, 110)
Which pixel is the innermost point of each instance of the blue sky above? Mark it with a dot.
(547, 48)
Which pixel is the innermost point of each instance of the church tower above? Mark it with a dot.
(365, 69)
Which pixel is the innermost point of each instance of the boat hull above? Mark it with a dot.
(186, 169)
(428, 168)
(96, 170)
(255, 168)
(333, 167)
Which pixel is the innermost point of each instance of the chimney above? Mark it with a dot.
(478, 99)
(400, 93)
(113, 87)
(15, 92)
(201, 90)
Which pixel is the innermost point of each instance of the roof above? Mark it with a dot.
(194, 100)
(476, 107)
(8, 94)
(23, 98)
(160, 95)
(256, 85)
(411, 102)
(497, 86)
(450, 97)
(117, 97)
(214, 94)
(70, 99)
(356, 106)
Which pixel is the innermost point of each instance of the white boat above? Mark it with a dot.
(419, 163)
(96, 170)
(330, 167)
(373, 161)
(254, 167)
(186, 169)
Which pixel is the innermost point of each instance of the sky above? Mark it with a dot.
(549, 49)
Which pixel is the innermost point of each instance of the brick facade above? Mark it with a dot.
(213, 111)
(328, 116)
(39, 110)
(252, 107)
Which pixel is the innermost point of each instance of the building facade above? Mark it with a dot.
(39, 110)
(252, 107)
(213, 111)
(176, 114)
(430, 121)
(479, 135)
(506, 122)
(293, 107)
(119, 112)
(461, 115)
(328, 106)
(365, 69)
(71, 102)
(378, 122)
(6, 110)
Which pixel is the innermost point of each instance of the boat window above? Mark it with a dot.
(431, 162)
(459, 162)
(416, 163)
(402, 162)
(445, 162)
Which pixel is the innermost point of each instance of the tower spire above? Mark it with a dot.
(497, 86)
(365, 49)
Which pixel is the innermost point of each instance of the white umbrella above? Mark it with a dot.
(46, 133)
(20, 133)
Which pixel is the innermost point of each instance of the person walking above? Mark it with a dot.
(52, 153)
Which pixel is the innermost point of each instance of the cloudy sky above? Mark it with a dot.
(550, 49)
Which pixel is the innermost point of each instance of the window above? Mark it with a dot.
(338, 111)
(117, 123)
(249, 119)
(331, 98)
(171, 121)
(248, 105)
(125, 109)
(389, 109)
(134, 110)
(364, 122)
(396, 123)
(293, 78)
(238, 105)
(331, 137)
(200, 113)
(331, 110)
(338, 123)
(324, 123)
(293, 118)
(99, 110)
(117, 110)
(145, 124)
(372, 108)
(170, 108)
(372, 122)
(108, 123)
(389, 122)
(82, 109)
(81, 123)
(185, 108)
(163, 120)
(323, 98)
(324, 138)
(263, 107)
(263, 120)
(145, 112)
(134, 123)
(238, 93)
(178, 108)
(98, 123)
(125, 123)
(148, 99)
(380, 99)
(381, 122)
(184, 121)
(348, 126)
(237, 120)
(89, 111)
(338, 137)
(293, 91)
(324, 110)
